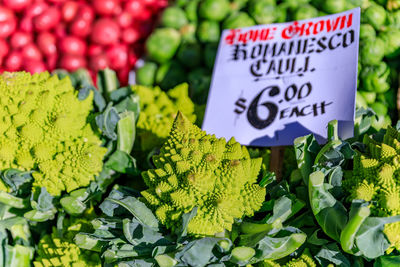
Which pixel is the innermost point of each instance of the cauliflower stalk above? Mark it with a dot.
(375, 178)
(157, 112)
(44, 127)
(194, 169)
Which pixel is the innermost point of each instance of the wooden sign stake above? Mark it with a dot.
(276, 161)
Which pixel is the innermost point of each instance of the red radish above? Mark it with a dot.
(4, 48)
(94, 49)
(7, 27)
(56, 1)
(35, 9)
(60, 30)
(135, 7)
(132, 58)
(6, 14)
(85, 12)
(130, 35)
(47, 20)
(20, 39)
(73, 45)
(13, 61)
(47, 43)
(51, 61)
(106, 7)
(34, 66)
(69, 10)
(26, 24)
(118, 56)
(105, 31)
(80, 27)
(32, 52)
(98, 62)
(123, 75)
(124, 19)
(71, 62)
(17, 5)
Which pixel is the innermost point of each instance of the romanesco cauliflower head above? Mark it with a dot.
(44, 128)
(157, 112)
(61, 251)
(194, 169)
(375, 178)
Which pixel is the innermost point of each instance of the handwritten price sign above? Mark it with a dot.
(273, 83)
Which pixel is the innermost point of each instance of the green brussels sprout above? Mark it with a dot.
(162, 44)
(372, 52)
(188, 33)
(236, 5)
(390, 99)
(215, 10)
(238, 20)
(394, 19)
(170, 74)
(146, 74)
(360, 101)
(173, 17)
(334, 6)
(367, 32)
(375, 78)
(190, 54)
(369, 97)
(305, 12)
(263, 11)
(393, 5)
(208, 31)
(191, 10)
(280, 14)
(199, 81)
(210, 53)
(182, 3)
(379, 108)
(391, 38)
(294, 4)
(374, 15)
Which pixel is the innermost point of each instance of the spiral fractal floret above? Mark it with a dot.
(158, 110)
(375, 178)
(44, 128)
(194, 169)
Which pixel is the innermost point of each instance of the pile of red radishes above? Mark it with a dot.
(38, 35)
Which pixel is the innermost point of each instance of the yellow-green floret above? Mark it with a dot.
(61, 251)
(157, 112)
(44, 128)
(305, 260)
(194, 169)
(375, 178)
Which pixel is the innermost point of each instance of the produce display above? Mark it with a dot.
(95, 172)
(37, 35)
(192, 29)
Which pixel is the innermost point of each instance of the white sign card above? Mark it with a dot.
(273, 83)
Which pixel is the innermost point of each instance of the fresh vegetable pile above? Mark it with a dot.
(43, 35)
(184, 46)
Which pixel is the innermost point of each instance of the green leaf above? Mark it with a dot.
(331, 253)
(306, 149)
(120, 94)
(18, 181)
(141, 235)
(41, 200)
(12, 201)
(107, 82)
(138, 209)
(107, 122)
(330, 214)
(315, 240)
(387, 261)
(130, 103)
(98, 99)
(370, 239)
(198, 252)
(37, 216)
(273, 248)
(122, 162)
(126, 131)
(282, 210)
(182, 230)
